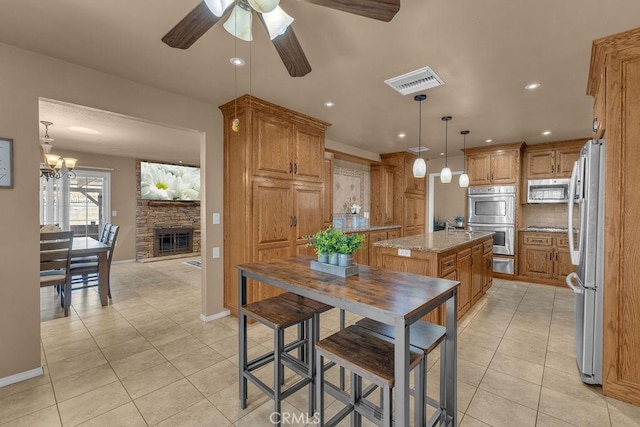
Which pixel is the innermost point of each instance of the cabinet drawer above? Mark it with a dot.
(393, 234)
(562, 242)
(537, 239)
(447, 264)
(488, 246)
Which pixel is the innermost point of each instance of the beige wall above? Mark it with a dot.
(449, 199)
(26, 76)
(123, 196)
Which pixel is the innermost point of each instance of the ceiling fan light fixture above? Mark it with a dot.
(217, 7)
(239, 23)
(264, 6)
(277, 22)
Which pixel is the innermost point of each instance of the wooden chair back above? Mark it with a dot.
(105, 233)
(111, 241)
(55, 250)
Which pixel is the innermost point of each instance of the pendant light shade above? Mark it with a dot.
(445, 173)
(239, 23)
(419, 165)
(464, 178)
(419, 168)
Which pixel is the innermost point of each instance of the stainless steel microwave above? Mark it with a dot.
(548, 190)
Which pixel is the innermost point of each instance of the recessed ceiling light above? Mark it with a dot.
(488, 141)
(532, 86)
(238, 62)
(329, 104)
(402, 135)
(442, 154)
(179, 161)
(546, 133)
(80, 129)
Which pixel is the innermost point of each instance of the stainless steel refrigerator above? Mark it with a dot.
(587, 253)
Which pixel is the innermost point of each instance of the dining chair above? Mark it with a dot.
(86, 270)
(55, 259)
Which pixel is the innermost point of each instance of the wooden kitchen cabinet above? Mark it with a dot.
(614, 82)
(327, 180)
(477, 273)
(553, 160)
(382, 181)
(273, 187)
(494, 165)
(465, 276)
(545, 256)
(409, 193)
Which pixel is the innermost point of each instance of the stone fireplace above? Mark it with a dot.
(172, 241)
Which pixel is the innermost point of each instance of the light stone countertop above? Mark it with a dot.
(369, 228)
(545, 229)
(439, 241)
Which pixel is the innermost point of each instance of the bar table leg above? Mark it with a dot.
(401, 373)
(450, 362)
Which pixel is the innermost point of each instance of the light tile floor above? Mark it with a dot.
(147, 359)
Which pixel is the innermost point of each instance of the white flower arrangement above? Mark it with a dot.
(169, 182)
(355, 208)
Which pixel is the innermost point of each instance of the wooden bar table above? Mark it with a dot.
(390, 297)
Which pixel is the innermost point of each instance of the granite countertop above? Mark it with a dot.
(369, 228)
(439, 241)
(546, 229)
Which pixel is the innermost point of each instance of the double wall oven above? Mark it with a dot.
(494, 209)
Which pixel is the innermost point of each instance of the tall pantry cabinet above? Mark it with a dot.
(273, 188)
(614, 82)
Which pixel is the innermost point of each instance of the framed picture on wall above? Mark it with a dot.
(6, 163)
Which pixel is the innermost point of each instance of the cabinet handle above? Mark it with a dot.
(551, 256)
(595, 125)
(558, 168)
(295, 168)
(295, 221)
(556, 256)
(449, 265)
(290, 167)
(491, 176)
(553, 168)
(488, 263)
(291, 221)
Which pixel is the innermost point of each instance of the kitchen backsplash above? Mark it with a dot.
(545, 215)
(351, 184)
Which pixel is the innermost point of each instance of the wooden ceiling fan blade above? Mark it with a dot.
(382, 10)
(290, 52)
(191, 27)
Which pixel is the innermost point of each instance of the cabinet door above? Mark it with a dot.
(413, 185)
(308, 154)
(536, 261)
(327, 179)
(504, 167)
(361, 256)
(262, 290)
(414, 211)
(599, 107)
(479, 169)
(272, 213)
(565, 158)
(477, 272)
(464, 274)
(563, 259)
(387, 195)
(487, 263)
(540, 164)
(393, 234)
(375, 236)
(307, 211)
(272, 148)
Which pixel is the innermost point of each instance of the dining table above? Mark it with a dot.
(88, 246)
(393, 298)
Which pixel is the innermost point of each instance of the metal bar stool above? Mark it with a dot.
(367, 356)
(425, 337)
(278, 314)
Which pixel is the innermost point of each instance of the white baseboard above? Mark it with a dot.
(123, 261)
(214, 316)
(21, 376)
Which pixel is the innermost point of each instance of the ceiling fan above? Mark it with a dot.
(273, 18)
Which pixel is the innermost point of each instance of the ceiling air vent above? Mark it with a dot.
(415, 81)
(418, 149)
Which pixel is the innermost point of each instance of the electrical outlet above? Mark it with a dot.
(216, 218)
(404, 252)
(216, 252)
(114, 213)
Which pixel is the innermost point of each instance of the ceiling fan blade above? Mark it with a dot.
(382, 10)
(191, 27)
(290, 52)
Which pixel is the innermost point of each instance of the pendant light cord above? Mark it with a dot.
(420, 131)
(446, 142)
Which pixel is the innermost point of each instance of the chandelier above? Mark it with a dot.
(53, 164)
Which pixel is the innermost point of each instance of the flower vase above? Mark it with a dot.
(323, 257)
(333, 259)
(345, 260)
(354, 221)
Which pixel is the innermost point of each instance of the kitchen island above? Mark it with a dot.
(459, 255)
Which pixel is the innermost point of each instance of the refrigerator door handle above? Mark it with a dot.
(575, 255)
(569, 280)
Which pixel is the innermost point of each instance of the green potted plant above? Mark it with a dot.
(347, 245)
(459, 221)
(325, 243)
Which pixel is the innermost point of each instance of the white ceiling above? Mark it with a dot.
(486, 52)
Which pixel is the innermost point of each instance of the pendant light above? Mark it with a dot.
(464, 178)
(420, 166)
(445, 174)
